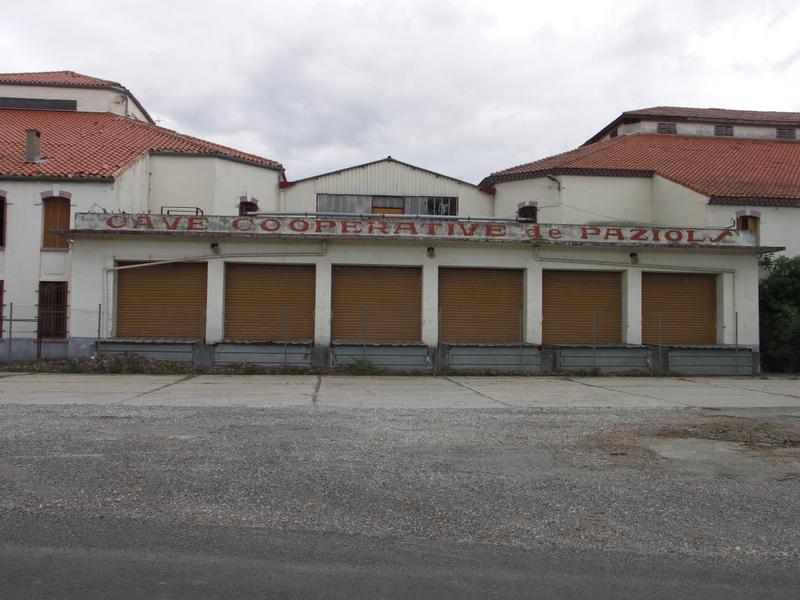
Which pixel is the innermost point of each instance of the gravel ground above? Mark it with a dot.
(614, 479)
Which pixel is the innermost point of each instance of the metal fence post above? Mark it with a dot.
(10, 328)
(521, 339)
(364, 332)
(660, 357)
(285, 334)
(594, 339)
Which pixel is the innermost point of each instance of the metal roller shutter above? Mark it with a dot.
(269, 302)
(376, 304)
(480, 305)
(684, 304)
(581, 307)
(162, 301)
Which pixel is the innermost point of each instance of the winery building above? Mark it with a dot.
(634, 253)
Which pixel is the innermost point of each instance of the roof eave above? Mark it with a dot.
(272, 167)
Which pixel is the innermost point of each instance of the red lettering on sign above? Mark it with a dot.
(495, 230)
(690, 238)
(405, 226)
(194, 223)
(143, 222)
(534, 232)
(243, 224)
(431, 228)
(725, 234)
(451, 229)
(379, 227)
(116, 221)
(299, 225)
(555, 234)
(614, 232)
(170, 225)
(639, 235)
(351, 227)
(324, 223)
(673, 235)
(469, 231)
(656, 235)
(271, 225)
(587, 231)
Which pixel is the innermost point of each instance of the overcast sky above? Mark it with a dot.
(461, 87)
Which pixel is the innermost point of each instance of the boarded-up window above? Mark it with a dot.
(56, 218)
(679, 308)
(376, 304)
(480, 305)
(581, 307)
(269, 302)
(52, 309)
(162, 301)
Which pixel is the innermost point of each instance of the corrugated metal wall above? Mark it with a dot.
(679, 308)
(376, 304)
(162, 301)
(480, 305)
(581, 307)
(269, 302)
(387, 178)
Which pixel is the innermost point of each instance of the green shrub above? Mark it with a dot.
(779, 296)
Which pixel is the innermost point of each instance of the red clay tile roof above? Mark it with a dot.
(57, 78)
(91, 145)
(716, 114)
(727, 170)
(703, 115)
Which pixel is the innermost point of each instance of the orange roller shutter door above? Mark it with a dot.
(581, 307)
(269, 302)
(376, 304)
(162, 301)
(480, 305)
(679, 308)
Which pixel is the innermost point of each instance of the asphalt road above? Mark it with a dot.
(340, 489)
(74, 558)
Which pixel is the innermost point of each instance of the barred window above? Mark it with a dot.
(723, 130)
(667, 128)
(785, 133)
(52, 309)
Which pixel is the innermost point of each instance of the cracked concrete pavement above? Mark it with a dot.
(399, 391)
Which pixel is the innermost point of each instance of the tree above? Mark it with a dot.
(779, 296)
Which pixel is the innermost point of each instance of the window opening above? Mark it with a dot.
(723, 130)
(56, 218)
(528, 213)
(52, 309)
(747, 223)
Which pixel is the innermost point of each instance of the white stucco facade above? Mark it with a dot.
(88, 99)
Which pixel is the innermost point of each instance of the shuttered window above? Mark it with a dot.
(56, 218)
(480, 305)
(581, 307)
(376, 304)
(679, 308)
(162, 301)
(269, 302)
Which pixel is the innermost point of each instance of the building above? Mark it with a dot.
(183, 249)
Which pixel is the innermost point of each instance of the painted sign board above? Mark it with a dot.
(423, 229)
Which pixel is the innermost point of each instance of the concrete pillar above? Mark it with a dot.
(322, 304)
(533, 303)
(430, 304)
(726, 310)
(215, 301)
(632, 307)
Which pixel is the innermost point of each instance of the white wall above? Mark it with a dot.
(23, 262)
(581, 199)
(737, 272)
(674, 204)
(386, 178)
(778, 226)
(88, 99)
(212, 184)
